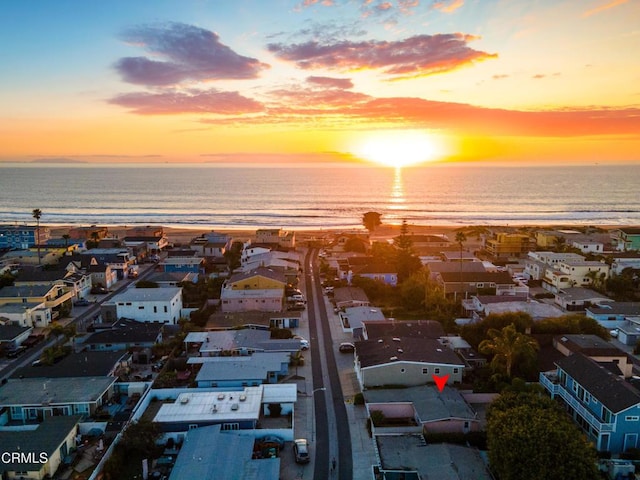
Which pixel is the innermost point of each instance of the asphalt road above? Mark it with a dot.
(333, 439)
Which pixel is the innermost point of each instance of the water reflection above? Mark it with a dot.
(397, 197)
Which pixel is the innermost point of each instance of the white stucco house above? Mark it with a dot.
(162, 305)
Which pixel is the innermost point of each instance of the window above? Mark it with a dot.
(193, 426)
(141, 307)
(230, 426)
(632, 418)
(425, 371)
(606, 415)
(455, 370)
(165, 309)
(436, 370)
(155, 309)
(402, 370)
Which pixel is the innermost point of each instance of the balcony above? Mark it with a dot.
(550, 381)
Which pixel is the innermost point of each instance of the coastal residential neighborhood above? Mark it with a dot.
(373, 353)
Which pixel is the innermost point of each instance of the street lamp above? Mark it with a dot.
(313, 413)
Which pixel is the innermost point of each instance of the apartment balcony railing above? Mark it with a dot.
(550, 382)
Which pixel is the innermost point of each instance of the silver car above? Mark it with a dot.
(301, 450)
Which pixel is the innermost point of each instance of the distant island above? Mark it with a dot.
(56, 160)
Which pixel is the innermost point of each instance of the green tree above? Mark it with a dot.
(383, 252)
(354, 244)
(406, 262)
(530, 437)
(460, 239)
(37, 214)
(477, 332)
(233, 255)
(508, 346)
(371, 220)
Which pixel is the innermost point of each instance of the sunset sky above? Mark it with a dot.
(320, 80)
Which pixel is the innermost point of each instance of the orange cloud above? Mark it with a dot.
(448, 6)
(604, 7)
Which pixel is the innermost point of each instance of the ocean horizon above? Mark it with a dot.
(318, 196)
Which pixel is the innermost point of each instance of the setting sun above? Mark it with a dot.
(398, 148)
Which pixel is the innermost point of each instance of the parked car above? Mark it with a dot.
(346, 347)
(301, 450)
(304, 344)
(82, 303)
(99, 290)
(16, 352)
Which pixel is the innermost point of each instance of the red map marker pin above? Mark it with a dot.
(440, 381)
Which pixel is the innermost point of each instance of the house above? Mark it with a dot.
(102, 275)
(345, 297)
(537, 263)
(588, 246)
(433, 411)
(52, 295)
(21, 237)
(406, 328)
(601, 402)
(353, 318)
(576, 299)
(119, 259)
(206, 451)
(149, 244)
(253, 319)
(436, 267)
(475, 307)
(88, 233)
(595, 348)
(624, 260)
(458, 256)
(410, 457)
(272, 259)
(469, 283)
(276, 236)
(125, 335)
(162, 305)
(246, 409)
(28, 314)
(79, 364)
(472, 359)
(183, 264)
(404, 361)
(610, 314)
(34, 399)
(211, 244)
(261, 289)
(626, 239)
(505, 246)
(238, 342)
(244, 371)
(547, 238)
(30, 257)
(381, 272)
(12, 336)
(42, 449)
(571, 273)
(78, 282)
(173, 279)
(537, 310)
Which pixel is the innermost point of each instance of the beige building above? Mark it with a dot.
(574, 273)
(509, 245)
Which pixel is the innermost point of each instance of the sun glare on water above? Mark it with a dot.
(398, 148)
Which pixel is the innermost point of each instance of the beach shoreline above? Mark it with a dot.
(181, 235)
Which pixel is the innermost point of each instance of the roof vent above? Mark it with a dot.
(184, 400)
(380, 341)
(438, 349)
(243, 397)
(393, 359)
(215, 408)
(234, 406)
(400, 350)
(221, 396)
(396, 339)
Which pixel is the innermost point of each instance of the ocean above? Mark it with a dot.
(318, 196)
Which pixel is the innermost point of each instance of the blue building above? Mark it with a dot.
(21, 237)
(601, 402)
(183, 265)
(242, 371)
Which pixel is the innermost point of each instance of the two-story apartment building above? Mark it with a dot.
(601, 402)
(276, 236)
(626, 239)
(52, 295)
(29, 314)
(162, 305)
(572, 273)
(119, 259)
(537, 263)
(509, 245)
(261, 289)
(22, 237)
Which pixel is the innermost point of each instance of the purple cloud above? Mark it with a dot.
(415, 56)
(187, 52)
(331, 82)
(194, 101)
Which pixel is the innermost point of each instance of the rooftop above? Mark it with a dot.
(10, 332)
(127, 332)
(261, 271)
(609, 389)
(26, 290)
(371, 353)
(240, 319)
(147, 294)
(404, 328)
(82, 364)
(346, 294)
(590, 345)
(430, 404)
(46, 438)
(616, 308)
(42, 391)
(206, 451)
(182, 261)
(256, 366)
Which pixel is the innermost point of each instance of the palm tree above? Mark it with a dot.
(507, 347)
(37, 214)
(460, 239)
